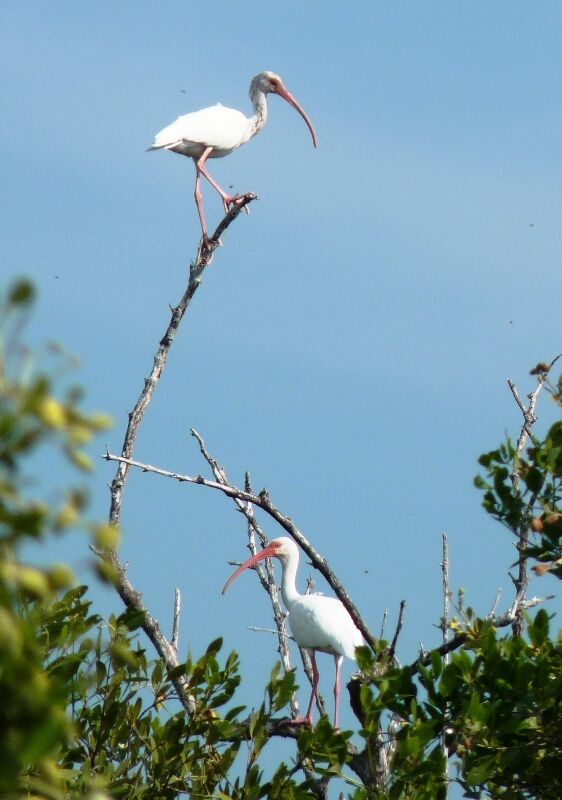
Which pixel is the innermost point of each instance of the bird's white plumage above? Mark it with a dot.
(316, 622)
(216, 131)
(222, 128)
(322, 623)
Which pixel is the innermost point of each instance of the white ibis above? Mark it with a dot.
(316, 622)
(216, 131)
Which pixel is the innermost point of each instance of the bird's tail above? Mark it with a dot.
(166, 146)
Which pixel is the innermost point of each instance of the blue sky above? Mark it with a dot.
(351, 342)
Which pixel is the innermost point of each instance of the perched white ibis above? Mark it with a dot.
(316, 622)
(216, 131)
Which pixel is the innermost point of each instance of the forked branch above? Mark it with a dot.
(263, 501)
(521, 580)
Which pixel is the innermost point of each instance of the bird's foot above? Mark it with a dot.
(209, 245)
(234, 201)
(302, 721)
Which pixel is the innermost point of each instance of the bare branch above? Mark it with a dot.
(445, 635)
(132, 599)
(268, 630)
(265, 572)
(528, 412)
(266, 580)
(392, 648)
(497, 599)
(383, 623)
(521, 582)
(446, 591)
(176, 622)
(130, 596)
(263, 501)
(204, 258)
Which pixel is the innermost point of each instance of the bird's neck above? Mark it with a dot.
(259, 118)
(289, 591)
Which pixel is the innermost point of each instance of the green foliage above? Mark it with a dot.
(33, 722)
(85, 713)
(532, 501)
(495, 710)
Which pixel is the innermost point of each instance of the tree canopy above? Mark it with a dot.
(87, 711)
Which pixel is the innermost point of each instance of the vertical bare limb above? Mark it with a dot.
(129, 595)
(265, 573)
(397, 630)
(383, 623)
(446, 590)
(521, 581)
(132, 599)
(447, 657)
(268, 582)
(204, 258)
(176, 621)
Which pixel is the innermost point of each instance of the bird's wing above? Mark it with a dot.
(322, 623)
(217, 126)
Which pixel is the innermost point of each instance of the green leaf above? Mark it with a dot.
(482, 769)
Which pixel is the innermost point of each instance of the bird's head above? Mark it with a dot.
(282, 548)
(266, 82)
(270, 83)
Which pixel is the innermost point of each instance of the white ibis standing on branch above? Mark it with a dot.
(316, 622)
(216, 131)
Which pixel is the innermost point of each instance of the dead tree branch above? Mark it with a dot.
(265, 572)
(176, 621)
(397, 630)
(204, 258)
(262, 500)
(129, 595)
(445, 634)
(165, 649)
(521, 581)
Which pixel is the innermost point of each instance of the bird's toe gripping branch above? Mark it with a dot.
(238, 203)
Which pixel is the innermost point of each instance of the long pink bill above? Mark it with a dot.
(282, 92)
(267, 552)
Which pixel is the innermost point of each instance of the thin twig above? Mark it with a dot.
(497, 599)
(383, 623)
(268, 630)
(521, 582)
(445, 636)
(392, 648)
(265, 572)
(528, 412)
(446, 591)
(267, 578)
(263, 501)
(176, 622)
(150, 625)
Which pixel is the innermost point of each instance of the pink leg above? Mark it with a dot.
(315, 677)
(227, 200)
(338, 660)
(198, 197)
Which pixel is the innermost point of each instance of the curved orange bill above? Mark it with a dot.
(267, 552)
(282, 92)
